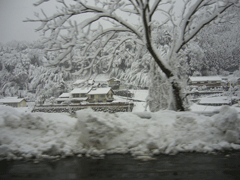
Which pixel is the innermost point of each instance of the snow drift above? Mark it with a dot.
(42, 135)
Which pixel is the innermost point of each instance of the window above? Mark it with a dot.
(102, 95)
(92, 96)
(12, 104)
(75, 95)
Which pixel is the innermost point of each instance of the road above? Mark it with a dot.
(183, 166)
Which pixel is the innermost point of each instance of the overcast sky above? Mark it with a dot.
(12, 14)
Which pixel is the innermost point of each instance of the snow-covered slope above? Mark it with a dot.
(41, 135)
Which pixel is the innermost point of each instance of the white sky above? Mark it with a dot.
(12, 14)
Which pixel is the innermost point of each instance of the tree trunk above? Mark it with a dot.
(163, 94)
(177, 96)
(177, 102)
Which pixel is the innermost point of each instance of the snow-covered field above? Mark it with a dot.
(139, 95)
(41, 135)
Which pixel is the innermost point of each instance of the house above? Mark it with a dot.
(209, 81)
(14, 102)
(114, 83)
(63, 98)
(100, 95)
(78, 95)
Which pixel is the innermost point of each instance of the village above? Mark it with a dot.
(95, 93)
(111, 95)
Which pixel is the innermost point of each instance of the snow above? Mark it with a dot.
(139, 95)
(64, 95)
(80, 90)
(216, 100)
(79, 82)
(54, 135)
(201, 108)
(205, 78)
(139, 107)
(11, 100)
(101, 77)
(99, 91)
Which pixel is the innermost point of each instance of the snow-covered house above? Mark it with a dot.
(114, 83)
(78, 95)
(100, 95)
(209, 81)
(101, 80)
(63, 97)
(14, 102)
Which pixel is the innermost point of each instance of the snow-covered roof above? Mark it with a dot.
(232, 78)
(11, 100)
(114, 79)
(80, 81)
(205, 78)
(62, 99)
(90, 81)
(100, 91)
(80, 91)
(64, 95)
(215, 100)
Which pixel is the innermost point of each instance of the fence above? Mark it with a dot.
(104, 107)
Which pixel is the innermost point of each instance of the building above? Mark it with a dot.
(78, 95)
(101, 80)
(14, 102)
(64, 97)
(100, 95)
(114, 83)
(209, 81)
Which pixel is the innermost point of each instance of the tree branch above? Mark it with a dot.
(188, 37)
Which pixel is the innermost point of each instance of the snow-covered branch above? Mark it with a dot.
(104, 32)
(154, 7)
(188, 33)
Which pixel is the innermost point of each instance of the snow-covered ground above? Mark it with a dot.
(139, 95)
(42, 135)
(52, 135)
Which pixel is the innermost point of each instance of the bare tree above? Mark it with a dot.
(134, 17)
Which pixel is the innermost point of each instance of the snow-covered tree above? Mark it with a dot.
(220, 43)
(95, 24)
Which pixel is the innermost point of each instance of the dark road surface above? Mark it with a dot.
(185, 166)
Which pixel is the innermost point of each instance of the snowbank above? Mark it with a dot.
(41, 135)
